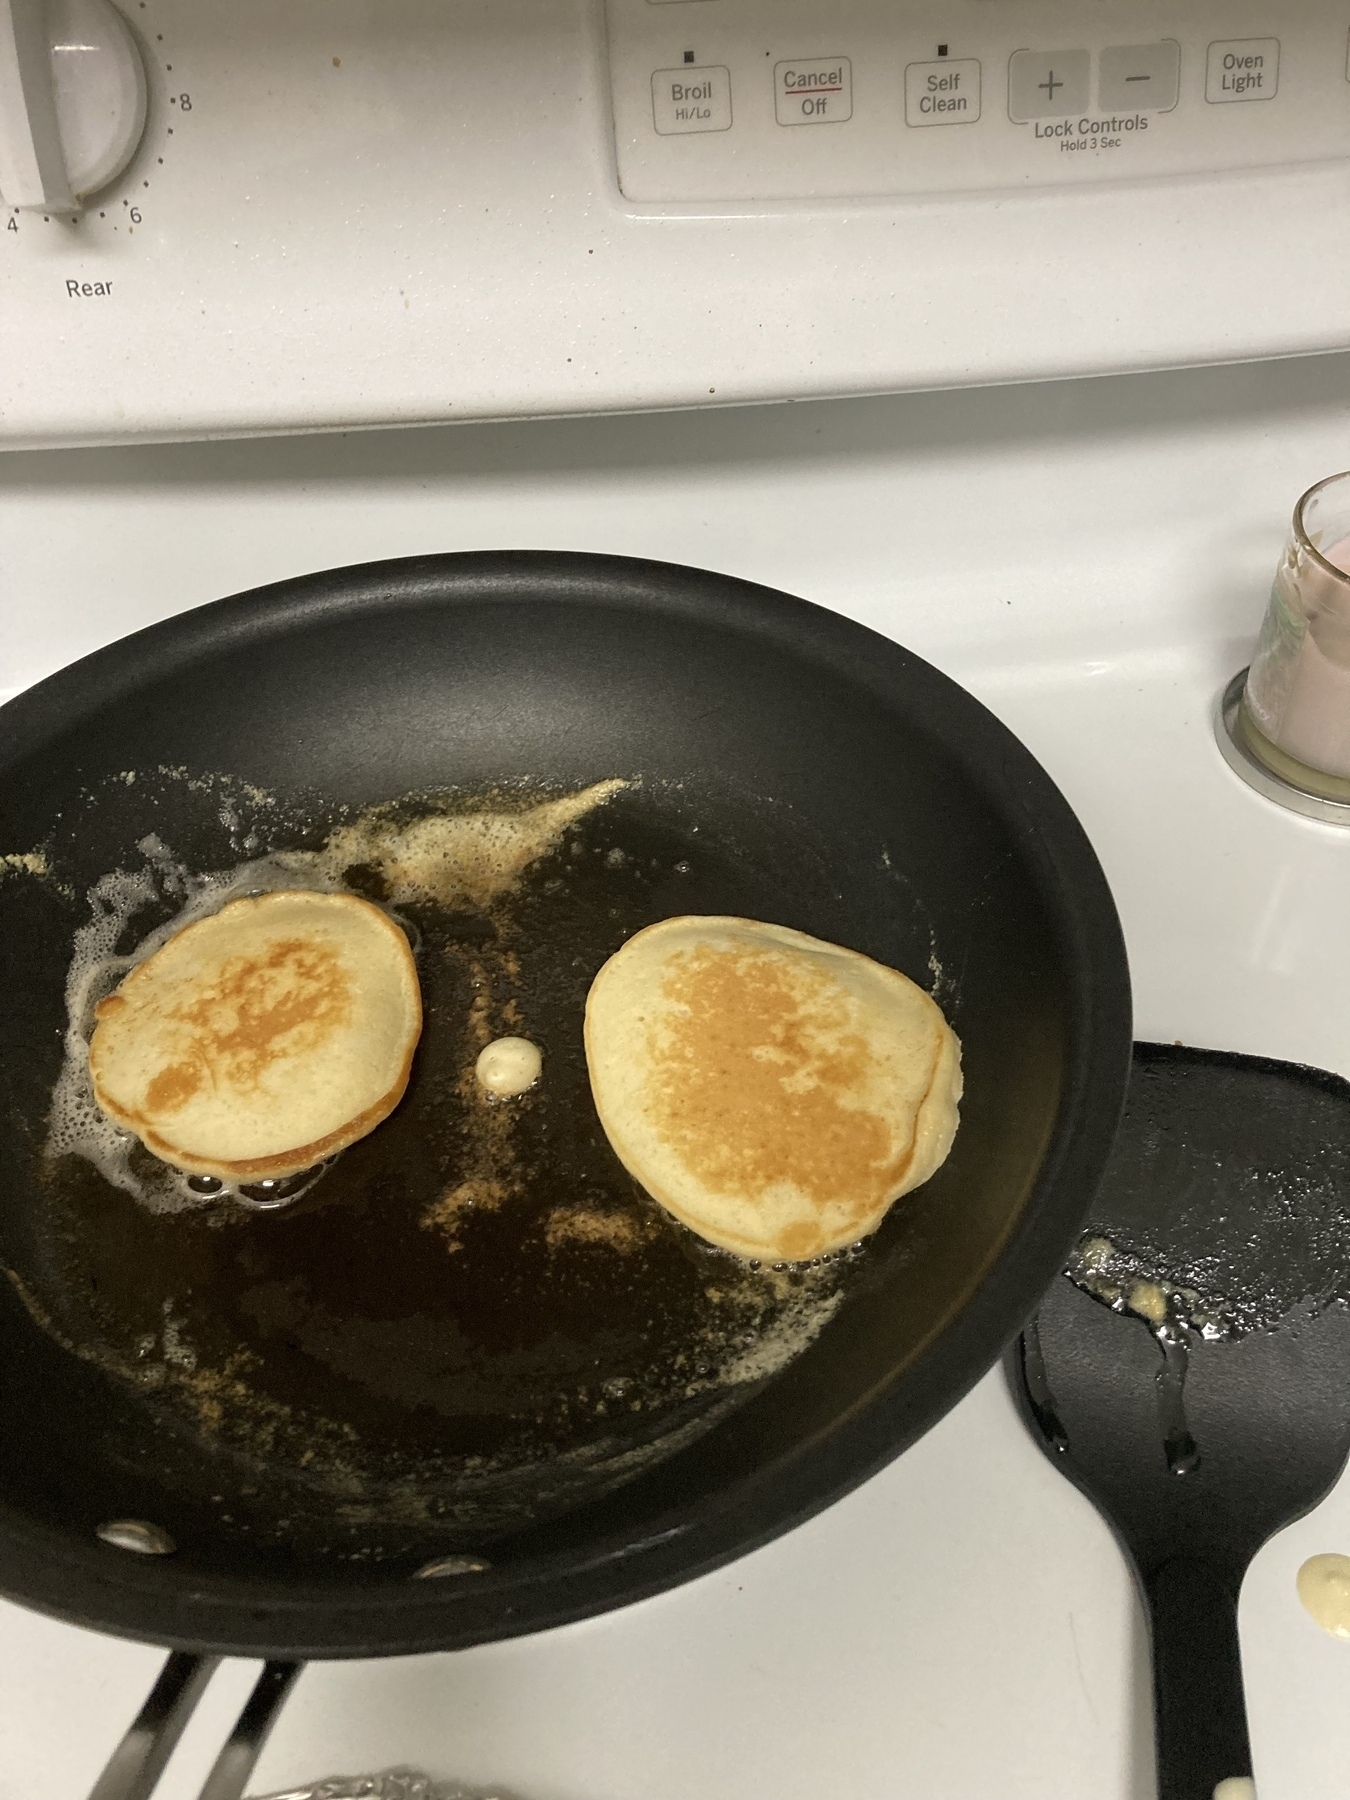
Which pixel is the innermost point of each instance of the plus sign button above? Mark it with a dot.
(1047, 84)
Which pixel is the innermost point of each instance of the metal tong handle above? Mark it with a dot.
(134, 1768)
(232, 1768)
(138, 1761)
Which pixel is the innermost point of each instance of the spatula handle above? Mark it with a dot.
(1199, 1715)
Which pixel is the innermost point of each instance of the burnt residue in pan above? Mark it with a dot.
(475, 1317)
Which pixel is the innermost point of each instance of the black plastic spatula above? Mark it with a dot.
(1212, 1406)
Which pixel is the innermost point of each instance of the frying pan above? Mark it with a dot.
(312, 1421)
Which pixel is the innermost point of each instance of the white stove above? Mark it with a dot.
(1091, 559)
(326, 218)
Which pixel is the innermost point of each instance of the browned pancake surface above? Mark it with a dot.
(262, 1038)
(777, 1093)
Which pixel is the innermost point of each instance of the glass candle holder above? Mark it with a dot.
(1295, 711)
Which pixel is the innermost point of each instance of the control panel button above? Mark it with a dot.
(1242, 69)
(1046, 84)
(1140, 77)
(691, 99)
(942, 93)
(819, 92)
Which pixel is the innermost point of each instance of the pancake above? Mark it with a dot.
(775, 1093)
(263, 1038)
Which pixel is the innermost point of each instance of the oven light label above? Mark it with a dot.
(1242, 69)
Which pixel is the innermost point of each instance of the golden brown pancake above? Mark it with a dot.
(259, 1040)
(774, 1092)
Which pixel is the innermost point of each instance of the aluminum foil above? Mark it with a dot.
(391, 1784)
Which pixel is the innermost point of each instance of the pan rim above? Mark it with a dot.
(40, 1566)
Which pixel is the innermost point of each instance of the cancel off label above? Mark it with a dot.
(813, 93)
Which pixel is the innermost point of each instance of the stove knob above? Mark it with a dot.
(72, 101)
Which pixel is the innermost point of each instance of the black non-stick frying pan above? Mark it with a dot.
(543, 1390)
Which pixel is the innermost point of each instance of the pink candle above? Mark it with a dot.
(1298, 693)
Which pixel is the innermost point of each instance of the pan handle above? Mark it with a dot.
(136, 1765)
(232, 1768)
(1199, 1714)
(138, 1761)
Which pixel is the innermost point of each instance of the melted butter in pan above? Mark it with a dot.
(476, 1306)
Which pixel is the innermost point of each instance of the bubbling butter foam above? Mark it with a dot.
(459, 859)
(466, 858)
(77, 1125)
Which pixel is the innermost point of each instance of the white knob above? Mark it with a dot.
(72, 101)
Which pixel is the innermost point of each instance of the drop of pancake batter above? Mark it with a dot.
(508, 1066)
(1324, 1589)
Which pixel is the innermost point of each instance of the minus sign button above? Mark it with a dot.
(1146, 76)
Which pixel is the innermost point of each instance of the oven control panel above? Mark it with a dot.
(226, 219)
(743, 100)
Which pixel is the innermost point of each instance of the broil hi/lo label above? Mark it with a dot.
(691, 99)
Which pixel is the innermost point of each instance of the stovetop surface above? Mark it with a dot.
(1091, 559)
